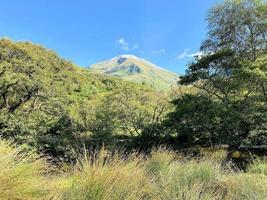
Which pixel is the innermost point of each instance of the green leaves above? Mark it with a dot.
(230, 105)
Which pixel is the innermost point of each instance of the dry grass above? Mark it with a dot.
(163, 175)
(104, 177)
(20, 174)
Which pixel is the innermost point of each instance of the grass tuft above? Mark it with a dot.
(21, 174)
(258, 167)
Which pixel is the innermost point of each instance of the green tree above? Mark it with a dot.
(230, 106)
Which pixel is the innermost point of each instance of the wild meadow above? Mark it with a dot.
(111, 176)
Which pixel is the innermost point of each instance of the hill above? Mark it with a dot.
(55, 106)
(132, 68)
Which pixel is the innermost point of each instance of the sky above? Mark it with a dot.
(165, 32)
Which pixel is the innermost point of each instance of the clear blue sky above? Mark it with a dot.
(165, 32)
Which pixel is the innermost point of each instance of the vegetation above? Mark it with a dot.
(163, 175)
(229, 106)
(52, 112)
(56, 107)
(21, 175)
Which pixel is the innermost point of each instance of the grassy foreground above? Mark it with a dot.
(162, 176)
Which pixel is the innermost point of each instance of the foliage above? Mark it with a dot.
(56, 107)
(53, 108)
(230, 75)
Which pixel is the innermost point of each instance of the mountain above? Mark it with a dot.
(136, 69)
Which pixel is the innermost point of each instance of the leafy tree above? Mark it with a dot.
(230, 75)
(136, 108)
(123, 114)
(31, 100)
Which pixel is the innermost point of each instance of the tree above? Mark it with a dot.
(123, 114)
(230, 76)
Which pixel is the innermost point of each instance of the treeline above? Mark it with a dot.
(58, 109)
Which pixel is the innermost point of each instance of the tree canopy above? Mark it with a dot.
(230, 105)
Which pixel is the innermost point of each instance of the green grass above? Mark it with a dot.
(245, 186)
(163, 175)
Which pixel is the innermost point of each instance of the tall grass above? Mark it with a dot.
(162, 176)
(179, 178)
(258, 167)
(21, 174)
(245, 186)
(106, 177)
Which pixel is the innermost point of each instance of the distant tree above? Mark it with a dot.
(136, 108)
(124, 114)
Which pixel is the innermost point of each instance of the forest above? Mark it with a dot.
(69, 133)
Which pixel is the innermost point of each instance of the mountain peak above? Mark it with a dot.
(132, 68)
(128, 56)
(122, 58)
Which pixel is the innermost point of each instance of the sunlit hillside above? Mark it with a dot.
(136, 69)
